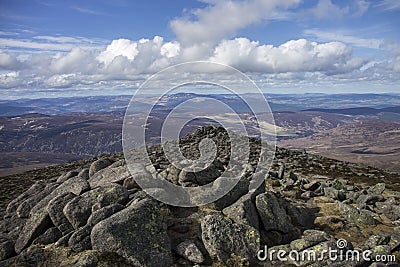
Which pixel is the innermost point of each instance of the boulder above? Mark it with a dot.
(26, 206)
(243, 211)
(98, 165)
(55, 210)
(356, 216)
(84, 174)
(74, 185)
(240, 189)
(87, 260)
(66, 176)
(36, 225)
(80, 239)
(273, 216)
(310, 238)
(104, 213)
(109, 175)
(35, 189)
(224, 239)
(50, 236)
(79, 209)
(136, 233)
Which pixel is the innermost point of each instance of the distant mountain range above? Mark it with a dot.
(278, 102)
(39, 132)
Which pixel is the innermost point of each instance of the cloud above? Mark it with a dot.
(389, 5)
(293, 56)
(325, 9)
(361, 6)
(88, 11)
(78, 60)
(324, 35)
(222, 19)
(9, 62)
(120, 47)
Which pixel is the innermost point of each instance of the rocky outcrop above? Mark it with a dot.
(98, 215)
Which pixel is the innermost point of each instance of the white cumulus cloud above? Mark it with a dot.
(293, 56)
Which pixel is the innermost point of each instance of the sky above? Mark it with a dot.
(98, 47)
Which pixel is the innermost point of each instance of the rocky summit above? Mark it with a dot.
(93, 213)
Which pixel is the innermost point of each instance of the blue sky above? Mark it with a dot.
(64, 48)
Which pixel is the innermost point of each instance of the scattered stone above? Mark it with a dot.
(356, 216)
(189, 250)
(281, 172)
(312, 186)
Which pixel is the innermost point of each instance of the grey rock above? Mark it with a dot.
(137, 233)
(390, 208)
(104, 213)
(189, 250)
(74, 185)
(312, 186)
(80, 239)
(109, 175)
(221, 238)
(243, 211)
(240, 189)
(36, 225)
(310, 238)
(87, 260)
(26, 206)
(79, 209)
(50, 236)
(130, 183)
(33, 190)
(273, 216)
(369, 199)
(300, 214)
(55, 210)
(377, 189)
(98, 165)
(186, 178)
(281, 171)
(84, 174)
(66, 176)
(63, 241)
(356, 216)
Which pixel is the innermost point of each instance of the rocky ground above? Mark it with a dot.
(92, 213)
